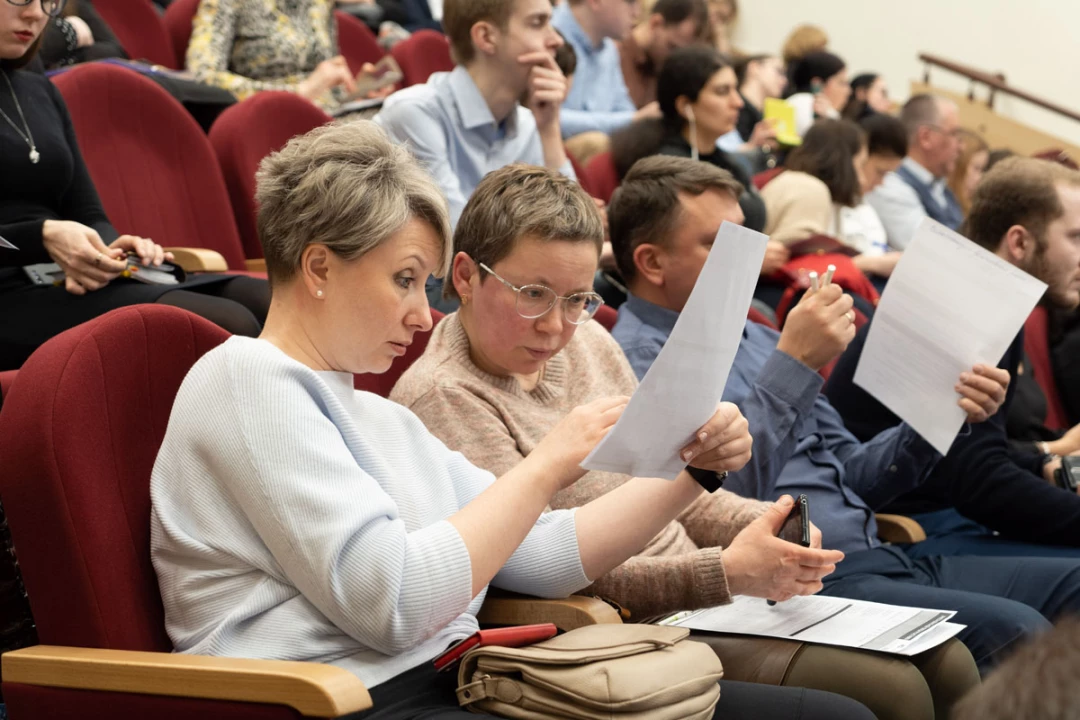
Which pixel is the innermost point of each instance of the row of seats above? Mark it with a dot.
(163, 41)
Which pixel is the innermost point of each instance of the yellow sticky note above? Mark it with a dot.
(782, 115)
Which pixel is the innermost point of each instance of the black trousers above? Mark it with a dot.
(423, 694)
(32, 314)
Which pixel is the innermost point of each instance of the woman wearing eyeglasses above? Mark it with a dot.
(50, 211)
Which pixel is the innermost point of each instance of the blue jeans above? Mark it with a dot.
(950, 533)
(1001, 600)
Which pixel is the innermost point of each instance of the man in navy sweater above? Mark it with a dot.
(1028, 212)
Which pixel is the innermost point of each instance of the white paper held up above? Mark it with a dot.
(6, 245)
(686, 381)
(949, 305)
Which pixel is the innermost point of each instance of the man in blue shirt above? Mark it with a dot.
(663, 220)
(598, 100)
(468, 122)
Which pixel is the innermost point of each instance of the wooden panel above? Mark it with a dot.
(568, 614)
(999, 131)
(312, 689)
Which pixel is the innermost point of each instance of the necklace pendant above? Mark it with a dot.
(34, 155)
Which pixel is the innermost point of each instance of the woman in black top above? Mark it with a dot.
(699, 98)
(50, 211)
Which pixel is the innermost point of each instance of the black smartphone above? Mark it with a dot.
(796, 528)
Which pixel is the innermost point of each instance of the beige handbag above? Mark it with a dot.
(636, 672)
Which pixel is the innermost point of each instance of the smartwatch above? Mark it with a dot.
(708, 479)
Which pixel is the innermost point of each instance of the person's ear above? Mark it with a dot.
(656, 22)
(649, 263)
(1019, 244)
(683, 107)
(465, 274)
(485, 38)
(315, 264)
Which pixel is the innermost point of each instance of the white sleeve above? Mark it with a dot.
(330, 526)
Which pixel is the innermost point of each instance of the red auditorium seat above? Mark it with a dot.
(603, 177)
(153, 167)
(762, 178)
(607, 316)
(76, 494)
(139, 29)
(246, 133)
(6, 379)
(384, 383)
(1037, 348)
(178, 17)
(423, 53)
(356, 42)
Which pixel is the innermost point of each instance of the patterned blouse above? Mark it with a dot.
(246, 46)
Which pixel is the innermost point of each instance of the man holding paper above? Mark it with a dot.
(661, 241)
(1027, 213)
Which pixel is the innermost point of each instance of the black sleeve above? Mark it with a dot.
(25, 235)
(1063, 354)
(980, 476)
(58, 44)
(81, 202)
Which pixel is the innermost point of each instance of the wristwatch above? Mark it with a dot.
(707, 479)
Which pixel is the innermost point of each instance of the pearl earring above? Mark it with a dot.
(318, 293)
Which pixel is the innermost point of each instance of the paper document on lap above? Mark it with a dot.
(829, 621)
(949, 305)
(686, 382)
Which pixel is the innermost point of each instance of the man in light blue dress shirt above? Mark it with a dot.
(663, 220)
(917, 188)
(466, 123)
(598, 100)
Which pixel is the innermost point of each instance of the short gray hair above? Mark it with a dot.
(346, 186)
(521, 201)
(922, 109)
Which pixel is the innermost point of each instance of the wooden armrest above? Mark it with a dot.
(567, 614)
(312, 689)
(899, 529)
(198, 259)
(256, 265)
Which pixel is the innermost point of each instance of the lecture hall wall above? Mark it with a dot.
(1033, 42)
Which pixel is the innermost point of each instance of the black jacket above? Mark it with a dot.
(981, 477)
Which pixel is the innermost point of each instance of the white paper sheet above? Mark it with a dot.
(949, 305)
(829, 621)
(5, 244)
(686, 381)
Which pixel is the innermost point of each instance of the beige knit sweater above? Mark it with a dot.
(495, 424)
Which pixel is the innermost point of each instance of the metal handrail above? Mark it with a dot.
(996, 83)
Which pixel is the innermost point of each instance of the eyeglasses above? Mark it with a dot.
(953, 134)
(52, 8)
(534, 301)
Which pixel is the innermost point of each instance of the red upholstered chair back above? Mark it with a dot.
(1037, 348)
(603, 177)
(79, 434)
(763, 178)
(246, 133)
(178, 17)
(151, 162)
(6, 379)
(607, 316)
(756, 316)
(356, 42)
(384, 383)
(139, 29)
(423, 53)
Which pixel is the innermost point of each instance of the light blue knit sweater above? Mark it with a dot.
(297, 519)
